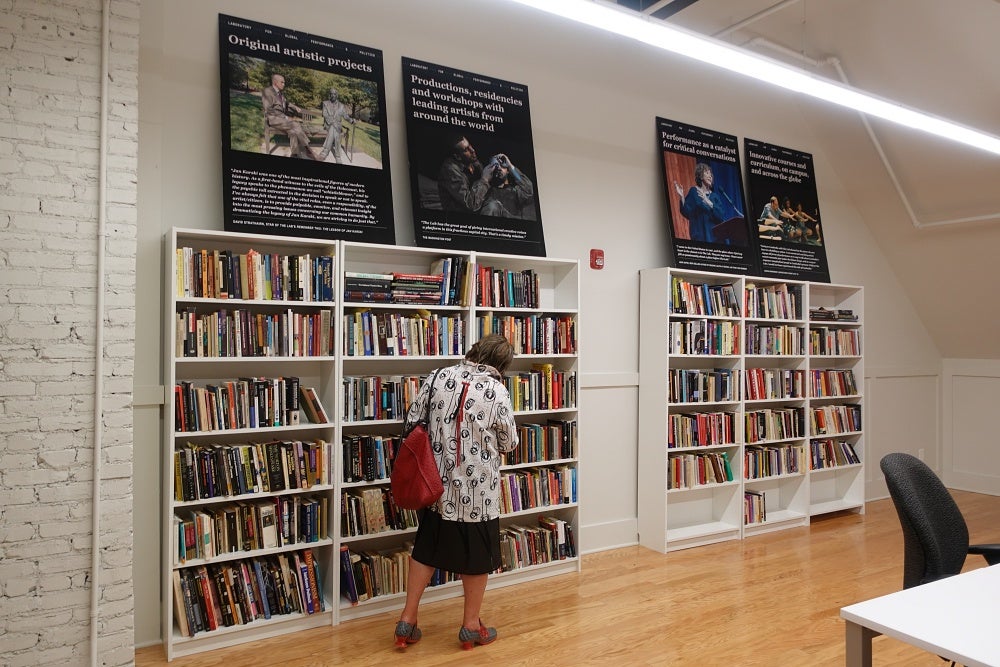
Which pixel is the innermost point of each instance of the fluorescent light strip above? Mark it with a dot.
(676, 40)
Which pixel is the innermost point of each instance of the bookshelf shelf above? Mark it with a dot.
(541, 509)
(253, 553)
(702, 533)
(782, 348)
(261, 359)
(346, 539)
(836, 468)
(260, 623)
(260, 629)
(223, 500)
(702, 487)
(196, 287)
(272, 430)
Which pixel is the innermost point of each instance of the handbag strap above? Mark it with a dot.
(430, 397)
(460, 414)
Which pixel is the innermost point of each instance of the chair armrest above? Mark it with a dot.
(991, 552)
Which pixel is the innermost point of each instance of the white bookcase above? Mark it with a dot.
(783, 376)
(838, 487)
(557, 297)
(224, 354)
(331, 372)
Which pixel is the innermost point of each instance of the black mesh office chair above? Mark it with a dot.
(935, 536)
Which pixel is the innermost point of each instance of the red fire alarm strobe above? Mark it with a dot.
(596, 258)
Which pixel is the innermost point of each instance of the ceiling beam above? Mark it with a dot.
(665, 11)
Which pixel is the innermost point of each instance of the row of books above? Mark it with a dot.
(445, 283)
(702, 429)
(688, 298)
(773, 302)
(754, 508)
(401, 288)
(240, 403)
(372, 397)
(702, 386)
(541, 388)
(773, 383)
(774, 424)
(368, 457)
(277, 522)
(767, 461)
(504, 288)
(244, 403)
(704, 337)
(217, 471)
(539, 443)
(830, 383)
(722, 338)
(368, 398)
(531, 334)
(227, 274)
(523, 546)
(686, 471)
(457, 284)
(242, 333)
(417, 288)
(832, 315)
(209, 597)
(833, 419)
(366, 574)
(774, 340)
(537, 487)
(371, 510)
(371, 334)
(833, 342)
(832, 453)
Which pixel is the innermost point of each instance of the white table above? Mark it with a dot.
(957, 618)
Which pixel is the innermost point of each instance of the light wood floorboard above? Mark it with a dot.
(771, 600)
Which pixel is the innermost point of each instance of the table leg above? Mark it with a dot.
(858, 645)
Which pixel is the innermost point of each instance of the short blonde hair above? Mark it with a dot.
(494, 350)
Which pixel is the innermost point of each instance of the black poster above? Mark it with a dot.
(472, 161)
(704, 189)
(304, 141)
(782, 188)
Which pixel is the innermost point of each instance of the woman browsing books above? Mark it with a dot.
(470, 423)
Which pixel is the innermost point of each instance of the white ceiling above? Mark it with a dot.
(939, 57)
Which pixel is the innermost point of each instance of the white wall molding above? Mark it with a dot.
(970, 398)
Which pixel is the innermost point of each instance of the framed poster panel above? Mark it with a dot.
(472, 161)
(781, 184)
(304, 141)
(703, 185)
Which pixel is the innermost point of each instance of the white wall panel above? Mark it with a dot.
(970, 406)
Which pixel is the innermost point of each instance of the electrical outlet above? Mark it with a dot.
(920, 454)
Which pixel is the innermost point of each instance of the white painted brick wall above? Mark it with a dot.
(50, 53)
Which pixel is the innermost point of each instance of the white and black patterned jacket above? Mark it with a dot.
(469, 464)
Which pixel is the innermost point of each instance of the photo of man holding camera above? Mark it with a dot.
(499, 189)
(511, 193)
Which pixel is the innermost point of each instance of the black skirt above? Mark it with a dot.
(457, 546)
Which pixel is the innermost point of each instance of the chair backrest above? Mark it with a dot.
(935, 536)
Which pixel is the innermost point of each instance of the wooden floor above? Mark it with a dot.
(773, 600)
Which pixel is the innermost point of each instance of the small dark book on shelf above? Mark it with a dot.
(291, 401)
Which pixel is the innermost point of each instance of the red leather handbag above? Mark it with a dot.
(415, 480)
